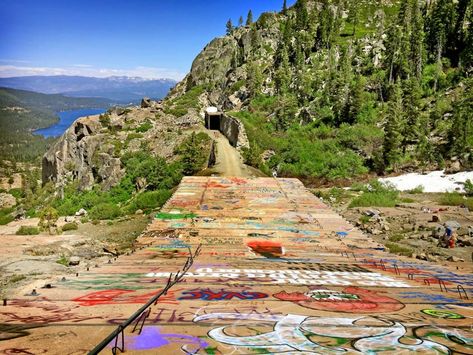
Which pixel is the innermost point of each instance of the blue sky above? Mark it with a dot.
(148, 38)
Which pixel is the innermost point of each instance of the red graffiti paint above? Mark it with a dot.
(121, 297)
(266, 248)
(208, 295)
(238, 181)
(214, 185)
(351, 299)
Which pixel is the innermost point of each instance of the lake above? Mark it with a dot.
(66, 118)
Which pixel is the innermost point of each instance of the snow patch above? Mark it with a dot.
(435, 181)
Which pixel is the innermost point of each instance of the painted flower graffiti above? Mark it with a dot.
(293, 334)
(351, 299)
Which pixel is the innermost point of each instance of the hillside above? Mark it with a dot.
(21, 112)
(117, 89)
(338, 89)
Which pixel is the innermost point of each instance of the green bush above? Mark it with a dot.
(17, 193)
(64, 260)
(104, 120)
(456, 199)
(452, 199)
(25, 230)
(70, 226)
(151, 199)
(398, 249)
(145, 127)
(105, 210)
(377, 195)
(469, 187)
(5, 216)
(416, 190)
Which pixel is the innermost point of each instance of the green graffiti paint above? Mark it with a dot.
(442, 314)
(182, 215)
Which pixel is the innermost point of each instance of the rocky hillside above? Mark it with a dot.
(327, 91)
(337, 89)
(91, 150)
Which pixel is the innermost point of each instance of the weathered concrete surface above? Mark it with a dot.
(279, 272)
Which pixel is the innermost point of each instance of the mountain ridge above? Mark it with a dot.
(121, 89)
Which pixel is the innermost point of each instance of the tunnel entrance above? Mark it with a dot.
(212, 120)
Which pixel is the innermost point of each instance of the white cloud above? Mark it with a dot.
(87, 70)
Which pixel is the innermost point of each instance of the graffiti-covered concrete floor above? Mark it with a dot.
(278, 272)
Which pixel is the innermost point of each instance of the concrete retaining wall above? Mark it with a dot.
(233, 129)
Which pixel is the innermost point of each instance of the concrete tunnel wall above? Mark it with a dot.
(232, 128)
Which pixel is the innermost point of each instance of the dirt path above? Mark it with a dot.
(229, 161)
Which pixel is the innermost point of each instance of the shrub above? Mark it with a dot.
(105, 210)
(70, 227)
(105, 120)
(151, 199)
(396, 238)
(5, 216)
(378, 195)
(17, 193)
(416, 190)
(456, 199)
(452, 199)
(469, 187)
(358, 186)
(26, 230)
(145, 127)
(398, 249)
(64, 260)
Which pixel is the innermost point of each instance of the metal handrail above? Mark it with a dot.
(460, 289)
(121, 328)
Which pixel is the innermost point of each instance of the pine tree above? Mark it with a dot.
(461, 132)
(457, 36)
(417, 50)
(240, 21)
(302, 15)
(355, 100)
(393, 128)
(398, 43)
(467, 53)
(412, 110)
(353, 15)
(283, 73)
(249, 18)
(284, 7)
(230, 27)
(439, 28)
(255, 79)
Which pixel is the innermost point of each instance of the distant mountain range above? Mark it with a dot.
(120, 89)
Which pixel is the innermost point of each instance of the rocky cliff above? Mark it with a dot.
(323, 90)
(90, 151)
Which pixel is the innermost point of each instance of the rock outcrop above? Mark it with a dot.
(90, 151)
(77, 156)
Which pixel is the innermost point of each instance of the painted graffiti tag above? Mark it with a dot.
(208, 295)
(266, 248)
(351, 299)
(121, 297)
(297, 277)
(357, 335)
(442, 314)
(152, 338)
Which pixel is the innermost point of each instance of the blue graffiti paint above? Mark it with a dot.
(430, 297)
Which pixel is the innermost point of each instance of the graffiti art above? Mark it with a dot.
(351, 299)
(222, 295)
(266, 248)
(442, 314)
(293, 333)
